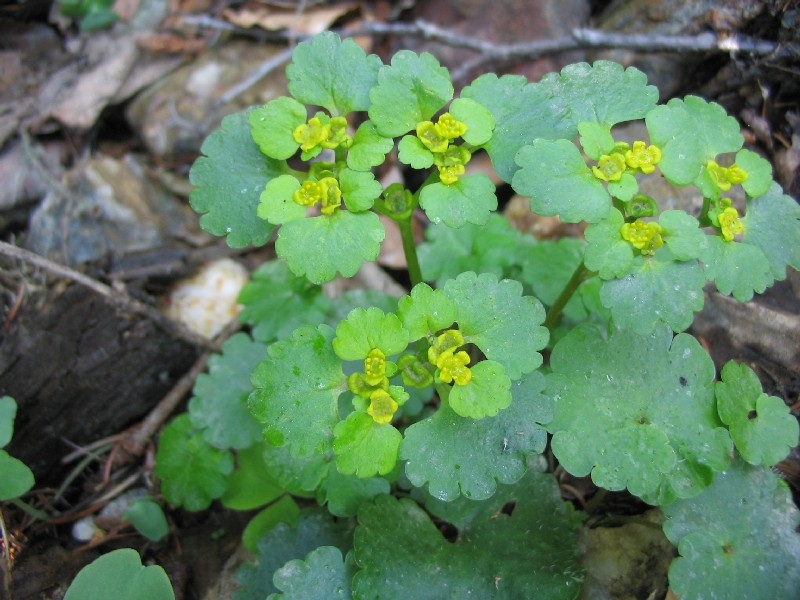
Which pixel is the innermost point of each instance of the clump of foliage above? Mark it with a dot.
(396, 415)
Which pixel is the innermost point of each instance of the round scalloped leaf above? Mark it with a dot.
(403, 555)
(410, 90)
(359, 189)
(332, 73)
(8, 411)
(219, 403)
(272, 126)
(276, 302)
(603, 92)
(251, 484)
(297, 390)
(364, 447)
(486, 394)
(192, 472)
(759, 173)
(344, 494)
(369, 148)
(682, 234)
(624, 189)
(456, 455)
(772, 223)
(299, 477)
(690, 132)
(17, 478)
(425, 311)
(283, 510)
(320, 247)
(120, 574)
(489, 313)
(522, 111)
(147, 517)
(276, 204)
(323, 574)
(477, 118)
(636, 412)
(737, 539)
(606, 252)
(229, 180)
(596, 139)
(761, 426)
(471, 199)
(737, 269)
(655, 292)
(555, 177)
(412, 152)
(366, 329)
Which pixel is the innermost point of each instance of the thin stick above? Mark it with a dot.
(7, 583)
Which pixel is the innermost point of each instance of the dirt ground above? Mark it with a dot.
(98, 130)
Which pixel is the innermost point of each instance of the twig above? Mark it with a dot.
(119, 299)
(257, 75)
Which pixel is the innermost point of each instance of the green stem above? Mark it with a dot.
(410, 249)
(574, 282)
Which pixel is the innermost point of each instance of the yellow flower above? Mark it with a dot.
(610, 167)
(736, 174)
(375, 367)
(446, 342)
(337, 134)
(449, 128)
(449, 175)
(643, 157)
(431, 138)
(453, 367)
(723, 177)
(645, 237)
(309, 194)
(311, 134)
(730, 224)
(381, 407)
(331, 195)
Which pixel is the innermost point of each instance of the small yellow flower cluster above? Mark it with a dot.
(373, 384)
(381, 407)
(644, 236)
(436, 137)
(640, 157)
(317, 133)
(326, 191)
(450, 362)
(725, 177)
(730, 224)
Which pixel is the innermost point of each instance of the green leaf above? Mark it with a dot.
(456, 455)
(738, 269)
(323, 574)
(272, 126)
(603, 92)
(300, 477)
(359, 189)
(359, 299)
(606, 252)
(367, 329)
(286, 542)
(218, 407)
(251, 485)
(736, 539)
(690, 132)
(343, 494)
(369, 148)
(682, 234)
(332, 73)
(320, 247)
(146, 515)
(486, 394)
(655, 292)
(496, 555)
(624, 189)
(410, 90)
(636, 412)
(547, 268)
(495, 247)
(596, 139)
(411, 151)
(297, 390)
(121, 575)
(229, 179)
(555, 176)
(192, 472)
(276, 302)
(276, 204)
(15, 477)
(522, 111)
(283, 510)
(759, 173)
(425, 311)
(489, 313)
(761, 426)
(772, 224)
(364, 447)
(477, 118)
(469, 200)
(8, 411)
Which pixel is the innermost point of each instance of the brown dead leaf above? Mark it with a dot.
(309, 22)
